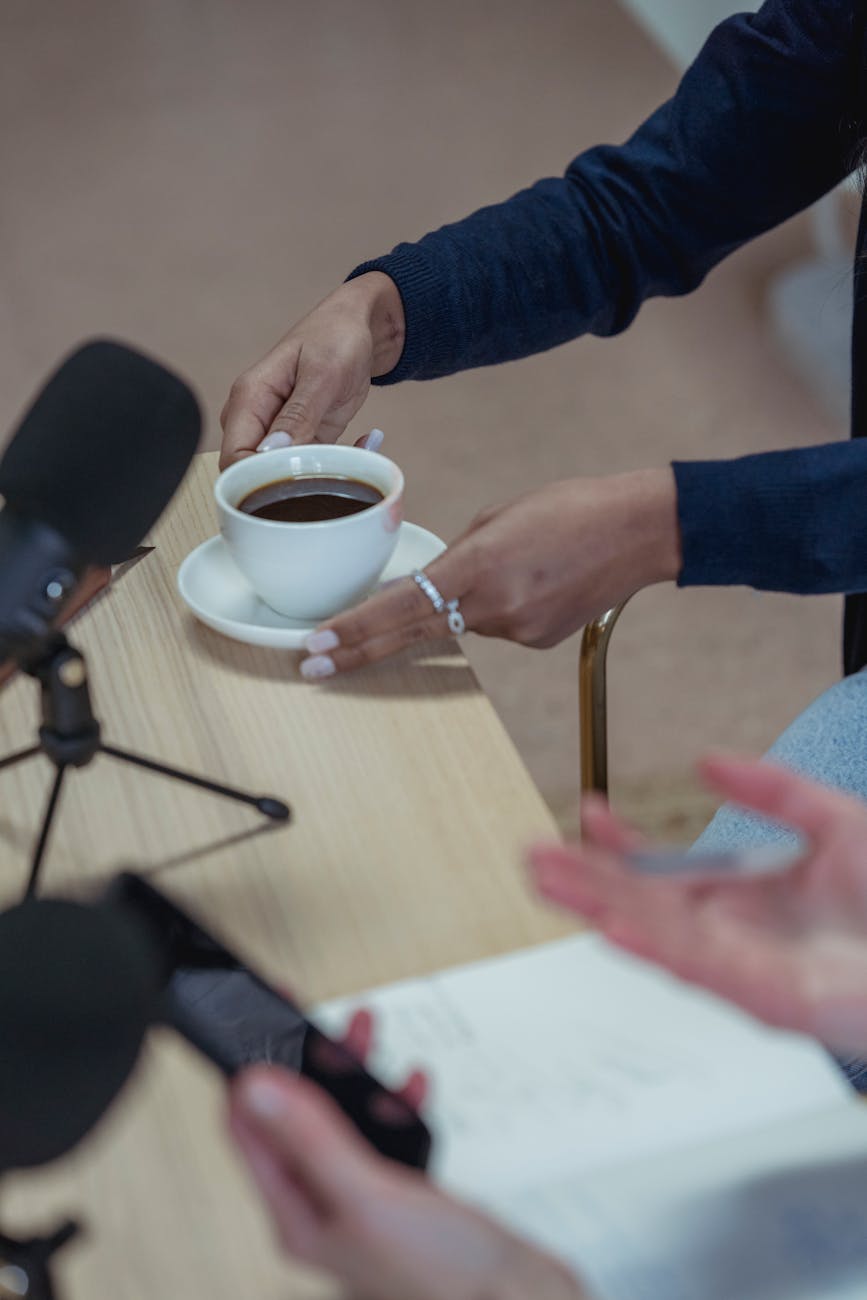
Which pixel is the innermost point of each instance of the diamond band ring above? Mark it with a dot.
(457, 626)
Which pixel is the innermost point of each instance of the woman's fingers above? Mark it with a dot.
(531, 572)
(657, 919)
(397, 605)
(398, 616)
(765, 973)
(254, 399)
(302, 391)
(304, 1131)
(245, 419)
(371, 651)
(779, 793)
(415, 1091)
(700, 933)
(592, 884)
(575, 877)
(402, 603)
(605, 829)
(294, 1211)
(302, 414)
(358, 1039)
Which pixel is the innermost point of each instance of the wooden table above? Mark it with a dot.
(411, 809)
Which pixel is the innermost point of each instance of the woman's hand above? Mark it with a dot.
(531, 571)
(791, 949)
(314, 381)
(377, 1226)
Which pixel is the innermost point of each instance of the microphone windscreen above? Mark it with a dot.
(102, 449)
(78, 988)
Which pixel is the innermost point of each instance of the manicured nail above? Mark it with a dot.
(318, 666)
(374, 440)
(317, 642)
(274, 440)
(264, 1099)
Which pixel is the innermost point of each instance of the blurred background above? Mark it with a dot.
(193, 175)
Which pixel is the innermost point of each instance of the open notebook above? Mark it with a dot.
(662, 1142)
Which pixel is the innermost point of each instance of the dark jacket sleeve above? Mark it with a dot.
(779, 521)
(760, 126)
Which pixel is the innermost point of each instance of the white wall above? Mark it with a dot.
(681, 26)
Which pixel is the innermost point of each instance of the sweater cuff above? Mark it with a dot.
(778, 521)
(426, 314)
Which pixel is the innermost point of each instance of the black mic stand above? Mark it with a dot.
(25, 1265)
(70, 736)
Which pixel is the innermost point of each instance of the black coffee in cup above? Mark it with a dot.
(310, 499)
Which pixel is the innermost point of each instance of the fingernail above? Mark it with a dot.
(264, 1099)
(374, 440)
(317, 642)
(274, 440)
(318, 666)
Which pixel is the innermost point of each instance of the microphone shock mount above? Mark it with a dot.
(70, 736)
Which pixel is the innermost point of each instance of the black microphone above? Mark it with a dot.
(78, 988)
(92, 465)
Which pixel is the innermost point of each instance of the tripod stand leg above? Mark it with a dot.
(42, 842)
(19, 756)
(273, 808)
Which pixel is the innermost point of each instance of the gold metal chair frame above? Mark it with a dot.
(593, 700)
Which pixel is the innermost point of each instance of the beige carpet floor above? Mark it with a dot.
(194, 176)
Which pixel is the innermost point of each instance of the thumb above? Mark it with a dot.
(305, 1134)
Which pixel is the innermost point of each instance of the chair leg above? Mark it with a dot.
(593, 704)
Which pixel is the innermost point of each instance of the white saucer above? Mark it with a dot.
(219, 595)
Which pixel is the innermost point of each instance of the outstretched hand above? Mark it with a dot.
(531, 571)
(791, 949)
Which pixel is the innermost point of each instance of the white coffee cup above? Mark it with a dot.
(311, 571)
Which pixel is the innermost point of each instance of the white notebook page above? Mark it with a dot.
(779, 1214)
(573, 1056)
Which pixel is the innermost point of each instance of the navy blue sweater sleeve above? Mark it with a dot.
(764, 122)
(780, 521)
(760, 126)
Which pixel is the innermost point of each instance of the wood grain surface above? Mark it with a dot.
(411, 810)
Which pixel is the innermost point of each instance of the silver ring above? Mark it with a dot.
(429, 590)
(457, 626)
